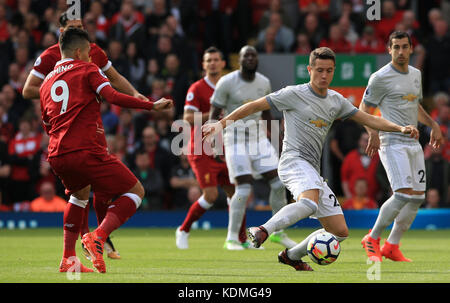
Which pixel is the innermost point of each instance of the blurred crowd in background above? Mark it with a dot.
(158, 45)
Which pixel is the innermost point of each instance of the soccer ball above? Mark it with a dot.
(323, 248)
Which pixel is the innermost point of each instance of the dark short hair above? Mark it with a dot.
(399, 35)
(72, 38)
(323, 53)
(213, 49)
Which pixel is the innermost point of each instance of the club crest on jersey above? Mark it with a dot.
(409, 97)
(318, 123)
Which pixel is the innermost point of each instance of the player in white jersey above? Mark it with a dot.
(309, 111)
(397, 90)
(248, 151)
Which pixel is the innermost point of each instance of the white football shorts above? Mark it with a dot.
(299, 176)
(404, 165)
(255, 158)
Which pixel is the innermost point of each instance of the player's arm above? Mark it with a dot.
(121, 84)
(374, 141)
(31, 87)
(241, 112)
(436, 138)
(382, 124)
(123, 100)
(189, 114)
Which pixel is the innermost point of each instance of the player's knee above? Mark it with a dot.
(210, 195)
(138, 190)
(341, 233)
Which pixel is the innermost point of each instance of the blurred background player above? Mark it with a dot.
(309, 110)
(70, 111)
(43, 66)
(232, 91)
(210, 171)
(397, 90)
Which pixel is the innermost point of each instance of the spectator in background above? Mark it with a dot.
(347, 30)
(160, 159)
(182, 179)
(15, 106)
(437, 59)
(274, 7)
(118, 58)
(218, 17)
(284, 35)
(432, 198)
(24, 158)
(151, 75)
(440, 99)
(90, 26)
(302, 46)
(127, 25)
(412, 27)
(358, 164)
(4, 32)
(360, 198)
(177, 82)
(102, 23)
(336, 41)
(390, 16)
(117, 145)
(344, 138)
(156, 17)
(5, 167)
(109, 118)
(151, 180)
(312, 29)
(136, 65)
(126, 128)
(48, 201)
(48, 40)
(14, 77)
(268, 44)
(369, 42)
(437, 169)
(318, 7)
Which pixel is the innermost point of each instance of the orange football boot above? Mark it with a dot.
(372, 248)
(392, 251)
(73, 264)
(94, 245)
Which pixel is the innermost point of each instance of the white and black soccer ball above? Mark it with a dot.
(323, 248)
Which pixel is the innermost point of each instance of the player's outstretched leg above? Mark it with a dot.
(118, 213)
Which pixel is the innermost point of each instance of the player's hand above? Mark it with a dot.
(162, 104)
(436, 138)
(373, 145)
(411, 131)
(140, 96)
(209, 130)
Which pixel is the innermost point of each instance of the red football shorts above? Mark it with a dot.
(105, 173)
(209, 171)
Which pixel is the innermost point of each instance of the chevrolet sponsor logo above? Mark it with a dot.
(318, 123)
(409, 97)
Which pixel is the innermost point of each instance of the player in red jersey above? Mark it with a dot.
(210, 171)
(43, 66)
(70, 113)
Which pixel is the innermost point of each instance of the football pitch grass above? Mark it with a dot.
(149, 255)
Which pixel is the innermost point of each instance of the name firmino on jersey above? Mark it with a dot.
(59, 69)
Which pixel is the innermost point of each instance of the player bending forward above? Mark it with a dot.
(397, 90)
(309, 111)
(70, 112)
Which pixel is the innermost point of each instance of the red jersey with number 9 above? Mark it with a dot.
(70, 110)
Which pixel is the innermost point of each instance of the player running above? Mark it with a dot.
(209, 170)
(397, 90)
(43, 66)
(309, 111)
(233, 90)
(70, 114)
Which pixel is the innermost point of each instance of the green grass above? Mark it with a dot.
(150, 256)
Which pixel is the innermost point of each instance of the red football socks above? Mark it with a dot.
(194, 213)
